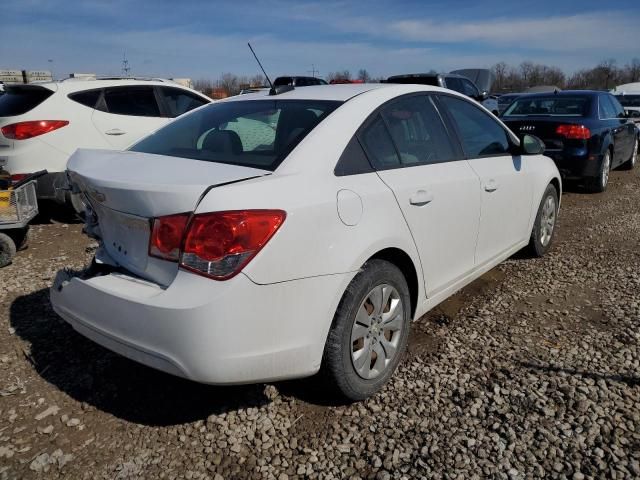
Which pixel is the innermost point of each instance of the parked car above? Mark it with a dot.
(587, 133)
(483, 79)
(458, 83)
(42, 124)
(265, 238)
(508, 98)
(298, 81)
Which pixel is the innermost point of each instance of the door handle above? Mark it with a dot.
(491, 186)
(115, 131)
(420, 198)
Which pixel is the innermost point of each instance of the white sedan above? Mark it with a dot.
(270, 237)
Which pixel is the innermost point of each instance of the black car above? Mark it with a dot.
(587, 133)
(298, 81)
(445, 80)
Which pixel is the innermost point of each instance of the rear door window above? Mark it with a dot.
(133, 101)
(179, 101)
(379, 146)
(418, 131)
(617, 107)
(88, 98)
(480, 134)
(606, 107)
(22, 99)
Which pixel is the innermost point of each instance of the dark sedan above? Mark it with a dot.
(586, 133)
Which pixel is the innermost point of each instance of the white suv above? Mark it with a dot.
(42, 124)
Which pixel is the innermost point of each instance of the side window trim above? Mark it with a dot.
(454, 127)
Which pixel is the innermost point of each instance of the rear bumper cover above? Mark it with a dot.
(212, 332)
(576, 166)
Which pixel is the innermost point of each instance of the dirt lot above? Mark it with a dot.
(533, 371)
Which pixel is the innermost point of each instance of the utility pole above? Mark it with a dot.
(313, 71)
(125, 65)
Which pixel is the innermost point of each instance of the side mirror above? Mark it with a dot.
(531, 145)
(483, 96)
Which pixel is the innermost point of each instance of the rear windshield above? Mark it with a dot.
(19, 100)
(553, 106)
(629, 100)
(256, 133)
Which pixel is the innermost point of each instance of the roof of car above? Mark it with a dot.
(563, 93)
(70, 85)
(339, 92)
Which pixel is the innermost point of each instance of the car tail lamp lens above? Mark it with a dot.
(574, 132)
(218, 245)
(26, 130)
(166, 236)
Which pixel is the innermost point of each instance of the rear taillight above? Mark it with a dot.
(217, 245)
(166, 236)
(16, 177)
(574, 132)
(26, 130)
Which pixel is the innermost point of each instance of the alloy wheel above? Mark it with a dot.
(606, 166)
(547, 220)
(377, 331)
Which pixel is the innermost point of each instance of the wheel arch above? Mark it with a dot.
(405, 264)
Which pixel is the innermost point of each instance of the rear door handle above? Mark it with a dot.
(491, 186)
(420, 198)
(115, 131)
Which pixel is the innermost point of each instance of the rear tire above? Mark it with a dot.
(7, 250)
(369, 332)
(599, 183)
(545, 223)
(631, 163)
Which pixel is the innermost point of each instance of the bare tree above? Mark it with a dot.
(342, 75)
(229, 83)
(364, 75)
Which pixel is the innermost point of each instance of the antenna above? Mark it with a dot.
(125, 65)
(261, 67)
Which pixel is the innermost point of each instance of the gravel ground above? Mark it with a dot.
(533, 371)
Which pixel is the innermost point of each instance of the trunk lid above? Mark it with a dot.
(545, 129)
(127, 189)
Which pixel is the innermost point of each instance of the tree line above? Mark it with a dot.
(604, 76)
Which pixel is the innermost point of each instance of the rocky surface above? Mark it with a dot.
(533, 371)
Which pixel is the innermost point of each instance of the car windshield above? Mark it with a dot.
(553, 106)
(255, 133)
(629, 100)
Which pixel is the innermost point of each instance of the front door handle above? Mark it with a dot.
(115, 131)
(420, 198)
(491, 186)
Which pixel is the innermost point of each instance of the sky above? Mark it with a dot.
(203, 39)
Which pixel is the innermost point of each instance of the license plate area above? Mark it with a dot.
(125, 237)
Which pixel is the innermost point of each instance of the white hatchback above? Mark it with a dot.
(270, 237)
(42, 124)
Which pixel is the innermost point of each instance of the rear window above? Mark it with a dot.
(257, 134)
(19, 100)
(553, 106)
(88, 98)
(629, 100)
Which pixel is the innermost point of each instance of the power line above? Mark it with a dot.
(313, 71)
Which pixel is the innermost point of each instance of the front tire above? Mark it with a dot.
(631, 163)
(369, 332)
(544, 225)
